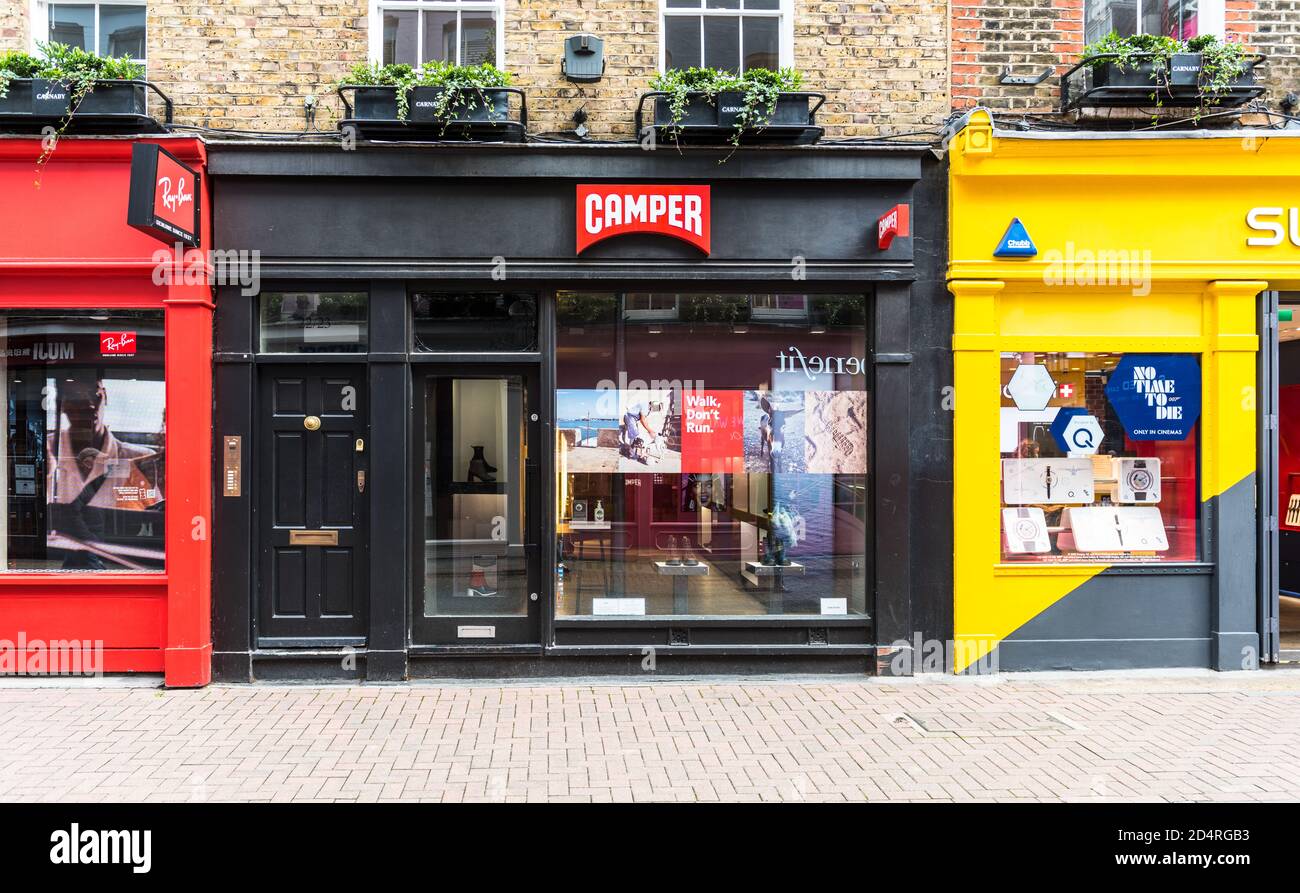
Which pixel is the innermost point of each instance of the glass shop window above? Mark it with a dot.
(1171, 18)
(711, 459)
(313, 322)
(474, 322)
(459, 32)
(110, 28)
(733, 35)
(1099, 457)
(83, 465)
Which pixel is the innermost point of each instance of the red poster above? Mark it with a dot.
(713, 432)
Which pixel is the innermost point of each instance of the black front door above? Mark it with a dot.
(477, 523)
(311, 506)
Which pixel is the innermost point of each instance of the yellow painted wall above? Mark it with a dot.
(1177, 209)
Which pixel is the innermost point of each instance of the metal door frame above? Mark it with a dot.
(1267, 485)
(425, 633)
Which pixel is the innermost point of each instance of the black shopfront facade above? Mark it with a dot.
(539, 410)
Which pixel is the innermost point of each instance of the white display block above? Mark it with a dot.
(835, 606)
(1117, 528)
(1024, 531)
(608, 607)
(1047, 481)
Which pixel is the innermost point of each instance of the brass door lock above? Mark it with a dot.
(311, 423)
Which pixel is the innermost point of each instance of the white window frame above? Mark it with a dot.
(378, 7)
(39, 15)
(785, 30)
(1210, 16)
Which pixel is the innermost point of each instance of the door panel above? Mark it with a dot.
(312, 429)
(479, 514)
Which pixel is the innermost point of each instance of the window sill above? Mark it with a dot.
(1078, 569)
(102, 579)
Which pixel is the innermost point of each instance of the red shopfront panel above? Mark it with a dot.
(72, 249)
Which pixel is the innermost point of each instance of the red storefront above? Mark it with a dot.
(106, 469)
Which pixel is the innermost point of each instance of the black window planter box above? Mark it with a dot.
(484, 115)
(713, 122)
(111, 107)
(1152, 82)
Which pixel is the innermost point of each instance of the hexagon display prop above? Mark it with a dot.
(1031, 387)
(1077, 432)
(1157, 396)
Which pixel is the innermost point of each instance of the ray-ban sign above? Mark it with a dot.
(607, 210)
(164, 200)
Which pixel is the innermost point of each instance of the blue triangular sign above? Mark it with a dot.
(1016, 243)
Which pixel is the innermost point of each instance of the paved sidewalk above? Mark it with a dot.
(1185, 736)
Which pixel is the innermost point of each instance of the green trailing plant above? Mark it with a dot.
(759, 88)
(373, 74)
(1222, 62)
(72, 66)
(462, 85)
(16, 64)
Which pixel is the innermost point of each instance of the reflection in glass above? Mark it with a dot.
(401, 42)
(121, 31)
(82, 468)
(73, 24)
(478, 38)
(681, 42)
(466, 322)
(711, 454)
(313, 322)
(475, 446)
(440, 36)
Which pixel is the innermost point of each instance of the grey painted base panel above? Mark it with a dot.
(1101, 654)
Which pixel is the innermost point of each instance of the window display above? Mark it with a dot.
(84, 476)
(711, 454)
(1099, 457)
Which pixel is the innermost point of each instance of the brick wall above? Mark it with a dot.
(1274, 29)
(13, 25)
(1026, 36)
(1032, 35)
(242, 64)
(883, 65)
(249, 65)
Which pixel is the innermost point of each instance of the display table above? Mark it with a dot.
(679, 573)
(777, 572)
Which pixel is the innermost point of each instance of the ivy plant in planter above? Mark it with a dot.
(64, 81)
(439, 92)
(1197, 73)
(739, 104)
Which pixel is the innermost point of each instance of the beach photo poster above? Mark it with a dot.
(588, 425)
(774, 431)
(835, 432)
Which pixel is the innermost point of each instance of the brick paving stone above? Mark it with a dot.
(1082, 737)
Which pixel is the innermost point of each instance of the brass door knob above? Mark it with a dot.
(311, 423)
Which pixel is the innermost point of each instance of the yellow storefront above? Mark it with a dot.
(1105, 371)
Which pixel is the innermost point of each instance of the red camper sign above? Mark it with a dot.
(607, 210)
